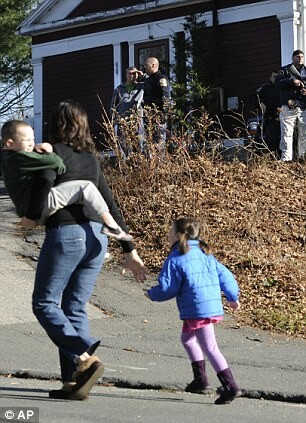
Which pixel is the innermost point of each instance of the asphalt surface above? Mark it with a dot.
(140, 340)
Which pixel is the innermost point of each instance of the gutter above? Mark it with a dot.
(93, 18)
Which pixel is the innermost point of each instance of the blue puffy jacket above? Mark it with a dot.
(196, 280)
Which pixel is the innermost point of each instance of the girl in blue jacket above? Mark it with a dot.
(196, 280)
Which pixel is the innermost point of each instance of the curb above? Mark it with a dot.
(121, 383)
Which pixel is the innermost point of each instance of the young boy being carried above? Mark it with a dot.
(22, 160)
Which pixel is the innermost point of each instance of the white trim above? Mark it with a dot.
(164, 28)
(117, 64)
(292, 31)
(49, 11)
(60, 9)
(303, 24)
(288, 38)
(171, 57)
(254, 11)
(42, 22)
(132, 54)
(54, 14)
(38, 99)
(135, 34)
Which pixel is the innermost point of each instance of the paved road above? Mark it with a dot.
(115, 405)
(140, 349)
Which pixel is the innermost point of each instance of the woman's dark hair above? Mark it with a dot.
(70, 126)
(188, 228)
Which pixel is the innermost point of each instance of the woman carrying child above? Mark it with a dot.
(72, 256)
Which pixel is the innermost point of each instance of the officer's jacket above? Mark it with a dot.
(269, 95)
(288, 91)
(156, 91)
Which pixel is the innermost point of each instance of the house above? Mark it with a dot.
(80, 48)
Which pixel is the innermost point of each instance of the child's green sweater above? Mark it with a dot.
(19, 170)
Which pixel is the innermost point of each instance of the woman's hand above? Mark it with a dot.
(43, 147)
(28, 223)
(133, 262)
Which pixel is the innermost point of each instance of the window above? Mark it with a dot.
(158, 49)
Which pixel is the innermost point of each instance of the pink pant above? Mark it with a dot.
(202, 342)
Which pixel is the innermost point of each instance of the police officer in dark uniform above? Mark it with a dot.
(156, 93)
(156, 86)
(269, 97)
(291, 81)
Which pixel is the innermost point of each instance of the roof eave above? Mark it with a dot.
(36, 29)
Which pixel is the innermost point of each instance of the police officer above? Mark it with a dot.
(291, 80)
(156, 86)
(269, 97)
(156, 93)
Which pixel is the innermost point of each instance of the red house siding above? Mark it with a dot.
(247, 53)
(81, 76)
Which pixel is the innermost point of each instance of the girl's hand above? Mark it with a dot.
(235, 305)
(145, 293)
(43, 147)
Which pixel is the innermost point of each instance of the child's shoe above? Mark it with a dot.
(230, 388)
(200, 384)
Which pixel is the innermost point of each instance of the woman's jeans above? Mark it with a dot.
(69, 263)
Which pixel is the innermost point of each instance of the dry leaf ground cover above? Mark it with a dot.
(253, 216)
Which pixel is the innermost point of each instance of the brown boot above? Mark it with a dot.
(200, 384)
(87, 376)
(84, 365)
(230, 387)
(64, 392)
